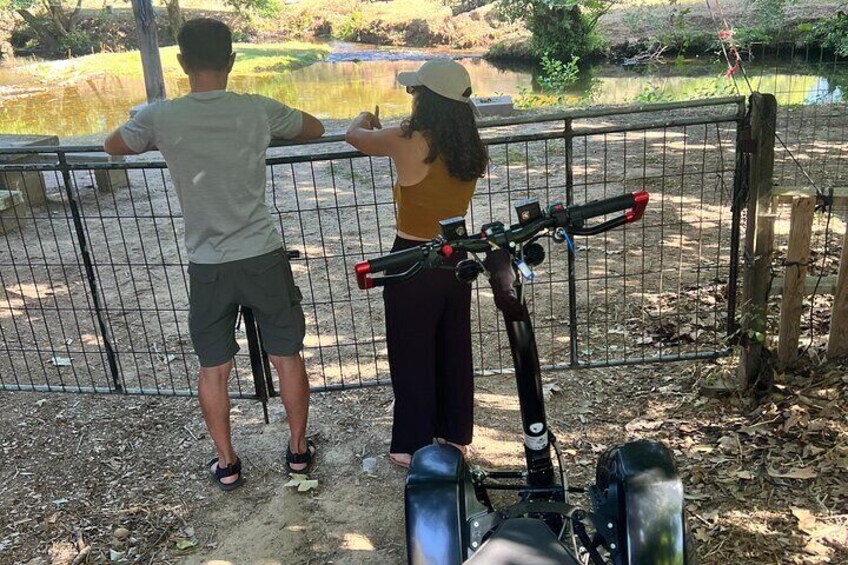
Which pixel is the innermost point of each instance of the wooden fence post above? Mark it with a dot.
(837, 344)
(148, 44)
(797, 257)
(759, 236)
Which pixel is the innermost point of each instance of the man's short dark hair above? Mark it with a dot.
(206, 44)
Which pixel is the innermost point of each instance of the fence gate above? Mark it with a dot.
(94, 281)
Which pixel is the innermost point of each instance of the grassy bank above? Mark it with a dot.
(630, 28)
(645, 27)
(251, 59)
(416, 23)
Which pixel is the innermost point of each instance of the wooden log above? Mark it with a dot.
(827, 285)
(786, 193)
(148, 43)
(837, 344)
(759, 236)
(797, 257)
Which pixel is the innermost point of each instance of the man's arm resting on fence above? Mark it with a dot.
(136, 136)
(312, 128)
(115, 145)
(288, 123)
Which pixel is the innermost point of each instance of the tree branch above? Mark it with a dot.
(75, 16)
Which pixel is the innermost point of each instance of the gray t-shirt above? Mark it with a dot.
(214, 144)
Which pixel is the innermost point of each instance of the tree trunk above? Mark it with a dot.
(175, 17)
(45, 34)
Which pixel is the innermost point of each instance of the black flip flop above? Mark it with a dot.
(224, 472)
(301, 458)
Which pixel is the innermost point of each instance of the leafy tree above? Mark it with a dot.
(265, 8)
(560, 28)
(52, 21)
(832, 33)
(175, 17)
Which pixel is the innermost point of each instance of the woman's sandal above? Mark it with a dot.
(399, 460)
(462, 448)
(228, 471)
(300, 458)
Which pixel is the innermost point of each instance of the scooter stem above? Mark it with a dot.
(528, 377)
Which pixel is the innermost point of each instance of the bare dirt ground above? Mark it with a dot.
(764, 482)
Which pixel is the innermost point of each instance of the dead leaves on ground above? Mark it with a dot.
(789, 453)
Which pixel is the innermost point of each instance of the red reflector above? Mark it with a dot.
(363, 275)
(640, 202)
(447, 250)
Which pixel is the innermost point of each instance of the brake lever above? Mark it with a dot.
(603, 226)
(371, 281)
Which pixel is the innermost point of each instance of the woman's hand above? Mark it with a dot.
(367, 120)
(366, 133)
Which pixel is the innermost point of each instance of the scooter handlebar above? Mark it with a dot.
(429, 254)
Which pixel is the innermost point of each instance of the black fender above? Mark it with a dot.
(644, 499)
(435, 507)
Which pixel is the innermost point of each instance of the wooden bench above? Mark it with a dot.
(11, 210)
(30, 184)
(104, 179)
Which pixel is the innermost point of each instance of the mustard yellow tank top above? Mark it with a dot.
(437, 197)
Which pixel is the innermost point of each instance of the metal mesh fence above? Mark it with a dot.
(811, 87)
(95, 287)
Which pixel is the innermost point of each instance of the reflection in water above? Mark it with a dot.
(343, 88)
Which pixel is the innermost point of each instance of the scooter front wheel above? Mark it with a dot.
(640, 495)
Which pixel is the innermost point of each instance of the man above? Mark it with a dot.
(214, 143)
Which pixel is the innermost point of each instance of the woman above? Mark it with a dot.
(438, 156)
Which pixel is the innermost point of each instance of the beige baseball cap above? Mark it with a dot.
(445, 77)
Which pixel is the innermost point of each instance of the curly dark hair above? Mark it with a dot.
(449, 128)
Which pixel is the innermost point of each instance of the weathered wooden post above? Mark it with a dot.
(148, 44)
(797, 257)
(759, 236)
(837, 343)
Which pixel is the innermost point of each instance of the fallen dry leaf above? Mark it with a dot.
(302, 482)
(802, 473)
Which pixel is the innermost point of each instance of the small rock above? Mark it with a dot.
(121, 534)
(115, 555)
(276, 413)
(368, 465)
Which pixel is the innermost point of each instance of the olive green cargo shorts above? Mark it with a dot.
(264, 284)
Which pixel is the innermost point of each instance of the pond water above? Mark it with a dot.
(354, 78)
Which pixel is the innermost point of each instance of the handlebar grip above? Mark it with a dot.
(603, 207)
(396, 260)
(392, 261)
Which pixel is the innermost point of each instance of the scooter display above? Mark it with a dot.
(637, 515)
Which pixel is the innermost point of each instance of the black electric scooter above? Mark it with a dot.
(637, 500)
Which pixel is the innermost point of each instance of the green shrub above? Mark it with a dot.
(77, 43)
(560, 28)
(351, 27)
(558, 75)
(653, 93)
(832, 33)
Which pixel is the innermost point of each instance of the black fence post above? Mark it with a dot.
(572, 281)
(90, 272)
(258, 359)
